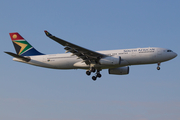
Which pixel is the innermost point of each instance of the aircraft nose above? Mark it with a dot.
(171, 55)
(175, 54)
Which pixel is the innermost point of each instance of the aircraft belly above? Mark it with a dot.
(65, 63)
(54, 62)
(141, 58)
(41, 64)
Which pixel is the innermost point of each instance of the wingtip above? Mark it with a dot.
(47, 33)
(5, 52)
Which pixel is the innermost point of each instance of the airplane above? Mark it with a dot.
(76, 57)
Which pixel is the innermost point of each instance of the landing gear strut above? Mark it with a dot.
(88, 72)
(158, 68)
(93, 69)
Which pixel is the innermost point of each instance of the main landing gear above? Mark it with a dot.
(158, 68)
(97, 74)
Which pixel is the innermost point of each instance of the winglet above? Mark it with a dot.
(47, 33)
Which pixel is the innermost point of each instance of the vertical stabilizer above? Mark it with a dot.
(22, 47)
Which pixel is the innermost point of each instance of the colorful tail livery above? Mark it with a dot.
(22, 47)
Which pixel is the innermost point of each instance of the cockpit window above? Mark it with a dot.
(169, 50)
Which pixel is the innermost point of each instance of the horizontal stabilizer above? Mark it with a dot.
(26, 59)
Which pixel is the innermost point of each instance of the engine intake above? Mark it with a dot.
(119, 71)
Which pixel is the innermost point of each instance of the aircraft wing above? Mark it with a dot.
(88, 56)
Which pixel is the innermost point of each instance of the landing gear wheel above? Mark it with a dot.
(158, 68)
(98, 75)
(94, 78)
(88, 72)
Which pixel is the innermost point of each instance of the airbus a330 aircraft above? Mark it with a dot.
(116, 61)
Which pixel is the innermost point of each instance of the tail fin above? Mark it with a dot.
(22, 47)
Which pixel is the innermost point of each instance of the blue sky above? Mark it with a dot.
(34, 93)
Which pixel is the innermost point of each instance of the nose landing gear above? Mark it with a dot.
(158, 68)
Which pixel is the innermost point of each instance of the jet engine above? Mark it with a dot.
(119, 71)
(111, 60)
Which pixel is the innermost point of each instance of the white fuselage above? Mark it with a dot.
(135, 56)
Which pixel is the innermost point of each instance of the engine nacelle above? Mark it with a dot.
(111, 60)
(119, 71)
